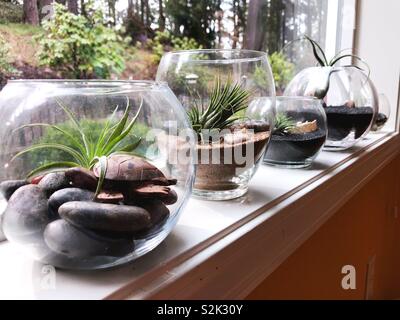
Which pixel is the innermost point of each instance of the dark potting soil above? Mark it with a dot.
(342, 120)
(295, 147)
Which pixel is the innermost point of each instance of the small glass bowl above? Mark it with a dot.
(193, 76)
(299, 134)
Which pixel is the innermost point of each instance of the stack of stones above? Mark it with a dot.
(61, 209)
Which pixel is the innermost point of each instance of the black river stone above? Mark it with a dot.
(171, 198)
(159, 214)
(53, 182)
(158, 211)
(66, 239)
(26, 214)
(105, 217)
(7, 188)
(62, 196)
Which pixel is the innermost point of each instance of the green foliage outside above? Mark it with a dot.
(81, 47)
(21, 29)
(10, 12)
(5, 66)
(165, 41)
(194, 21)
(282, 70)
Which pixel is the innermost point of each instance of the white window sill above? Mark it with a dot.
(219, 249)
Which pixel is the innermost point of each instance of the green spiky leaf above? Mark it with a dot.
(73, 153)
(77, 125)
(283, 124)
(226, 102)
(130, 147)
(67, 134)
(102, 173)
(84, 152)
(317, 50)
(111, 146)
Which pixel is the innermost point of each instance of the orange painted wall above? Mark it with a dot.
(367, 226)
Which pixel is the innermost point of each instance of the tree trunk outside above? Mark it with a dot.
(161, 19)
(235, 36)
(31, 12)
(142, 11)
(137, 6)
(111, 11)
(130, 8)
(83, 8)
(148, 14)
(73, 6)
(253, 36)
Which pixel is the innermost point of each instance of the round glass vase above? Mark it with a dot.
(86, 178)
(299, 133)
(349, 98)
(218, 88)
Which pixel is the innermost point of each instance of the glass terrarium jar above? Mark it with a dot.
(299, 133)
(86, 179)
(349, 98)
(217, 88)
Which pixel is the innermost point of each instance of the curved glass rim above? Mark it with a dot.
(90, 82)
(297, 98)
(291, 98)
(259, 54)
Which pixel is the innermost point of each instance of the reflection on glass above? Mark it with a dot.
(383, 113)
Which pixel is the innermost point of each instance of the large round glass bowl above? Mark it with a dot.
(87, 178)
(218, 88)
(299, 133)
(349, 98)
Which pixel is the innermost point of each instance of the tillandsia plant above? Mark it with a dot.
(85, 152)
(226, 102)
(323, 61)
(283, 124)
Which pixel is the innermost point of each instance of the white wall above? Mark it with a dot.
(377, 40)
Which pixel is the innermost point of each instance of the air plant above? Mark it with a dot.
(283, 124)
(323, 61)
(320, 56)
(85, 152)
(226, 102)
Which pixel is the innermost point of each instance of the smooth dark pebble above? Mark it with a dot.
(60, 197)
(64, 238)
(7, 188)
(105, 217)
(26, 214)
(53, 182)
